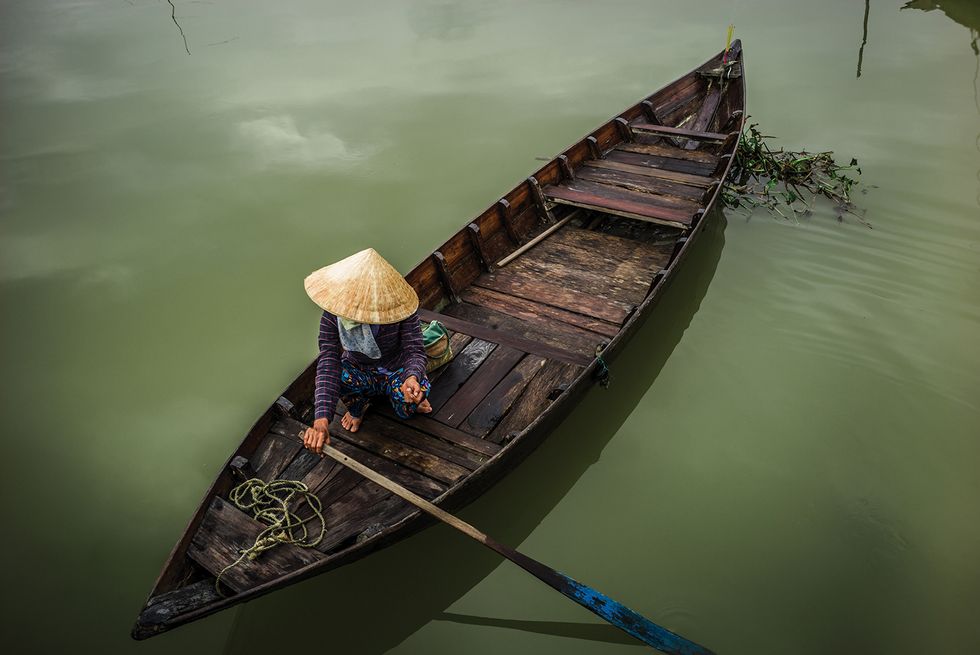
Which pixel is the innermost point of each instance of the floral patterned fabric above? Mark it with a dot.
(359, 384)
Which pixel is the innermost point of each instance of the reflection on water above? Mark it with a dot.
(173, 17)
(964, 12)
(864, 35)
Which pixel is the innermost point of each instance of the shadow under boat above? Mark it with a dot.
(601, 632)
(373, 605)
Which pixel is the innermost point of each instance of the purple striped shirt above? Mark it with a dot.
(400, 344)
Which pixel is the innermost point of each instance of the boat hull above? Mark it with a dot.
(641, 186)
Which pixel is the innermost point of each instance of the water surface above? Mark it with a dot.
(786, 461)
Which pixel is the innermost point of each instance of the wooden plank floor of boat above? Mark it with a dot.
(521, 334)
(647, 177)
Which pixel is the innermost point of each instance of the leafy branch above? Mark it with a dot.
(786, 182)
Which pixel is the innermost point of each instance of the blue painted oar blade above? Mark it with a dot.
(628, 620)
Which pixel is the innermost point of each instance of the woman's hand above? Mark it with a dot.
(412, 390)
(315, 438)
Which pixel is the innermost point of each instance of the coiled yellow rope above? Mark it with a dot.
(268, 502)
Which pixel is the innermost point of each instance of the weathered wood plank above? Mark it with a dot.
(539, 238)
(224, 532)
(363, 498)
(683, 206)
(368, 520)
(425, 280)
(496, 366)
(563, 338)
(337, 486)
(665, 163)
(673, 176)
(161, 610)
(241, 469)
(407, 477)
(622, 280)
(273, 455)
(418, 482)
(328, 480)
(535, 399)
(435, 429)
(686, 89)
(321, 473)
(406, 434)
(692, 133)
(457, 342)
(302, 464)
(458, 371)
(677, 113)
(542, 291)
(369, 438)
(643, 147)
(526, 222)
(639, 210)
(498, 245)
(631, 274)
(507, 338)
(704, 118)
(647, 255)
(535, 312)
(726, 119)
(641, 183)
(495, 406)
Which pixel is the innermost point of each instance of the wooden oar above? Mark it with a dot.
(619, 615)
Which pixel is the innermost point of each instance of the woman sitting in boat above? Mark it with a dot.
(370, 343)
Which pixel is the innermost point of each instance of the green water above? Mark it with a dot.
(787, 459)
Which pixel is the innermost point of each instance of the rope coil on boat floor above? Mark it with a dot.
(268, 502)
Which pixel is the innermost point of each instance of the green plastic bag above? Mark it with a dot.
(435, 338)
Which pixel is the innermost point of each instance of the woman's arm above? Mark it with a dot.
(412, 350)
(327, 369)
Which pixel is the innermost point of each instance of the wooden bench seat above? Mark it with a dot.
(689, 179)
(620, 203)
(650, 128)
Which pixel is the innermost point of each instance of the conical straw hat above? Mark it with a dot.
(363, 288)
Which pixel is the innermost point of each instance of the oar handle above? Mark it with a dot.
(404, 493)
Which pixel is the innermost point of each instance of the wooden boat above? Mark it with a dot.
(539, 291)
